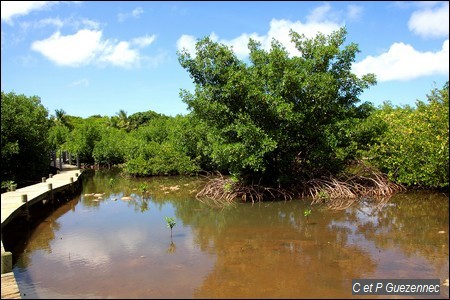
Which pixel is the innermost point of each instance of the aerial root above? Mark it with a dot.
(220, 191)
(339, 194)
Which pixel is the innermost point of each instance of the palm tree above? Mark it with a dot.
(60, 117)
(124, 121)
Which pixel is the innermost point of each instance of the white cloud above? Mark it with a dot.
(14, 9)
(320, 19)
(81, 82)
(120, 55)
(187, 42)
(403, 62)
(430, 21)
(11, 9)
(144, 41)
(279, 30)
(57, 22)
(70, 50)
(354, 12)
(319, 13)
(135, 13)
(87, 47)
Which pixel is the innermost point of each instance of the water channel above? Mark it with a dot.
(118, 245)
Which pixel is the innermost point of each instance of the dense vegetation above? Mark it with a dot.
(273, 121)
(24, 128)
(277, 121)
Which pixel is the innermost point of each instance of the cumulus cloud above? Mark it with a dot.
(11, 9)
(186, 42)
(70, 50)
(320, 19)
(135, 14)
(279, 30)
(430, 21)
(402, 62)
(120, 55)
(14, 9)
(88, 47)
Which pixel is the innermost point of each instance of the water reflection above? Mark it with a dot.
(117, 245)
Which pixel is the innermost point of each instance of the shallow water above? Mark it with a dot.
(114, 248)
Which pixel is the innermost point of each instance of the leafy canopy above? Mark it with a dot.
(268, 120)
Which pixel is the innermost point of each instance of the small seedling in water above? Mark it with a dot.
(170, 223)
(112, 182)
(306, 213)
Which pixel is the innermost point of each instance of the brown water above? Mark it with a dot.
(113, 248)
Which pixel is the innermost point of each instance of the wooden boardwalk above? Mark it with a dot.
(10, 290)
(12, 201)
(12, 205)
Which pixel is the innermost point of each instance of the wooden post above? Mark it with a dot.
(50, 192)
(6, 262)
(50, 175)
(71, 184)
(44, 179)
(60, 160)
(25, 200)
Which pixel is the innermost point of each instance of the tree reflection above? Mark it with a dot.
(172, 248)
(269, 249)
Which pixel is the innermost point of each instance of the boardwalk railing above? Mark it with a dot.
(18, 202)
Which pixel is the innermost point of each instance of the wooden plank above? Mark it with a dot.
(11, 202)
(12, 205)
(10, 289)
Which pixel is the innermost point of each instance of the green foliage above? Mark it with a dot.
(142, 118)
(109, 149)
(57, 136)
(414, 149)
(170, 223)
(112, 182)
(9, 185)
(307, 212)
(268, 121)
(24, 132)
(158, 149)
(143, 187)
(83, 138)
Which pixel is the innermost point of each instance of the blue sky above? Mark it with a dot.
(91, 58)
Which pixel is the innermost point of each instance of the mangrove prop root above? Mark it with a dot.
(341, 193)
(335, 193)
(220, 191)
